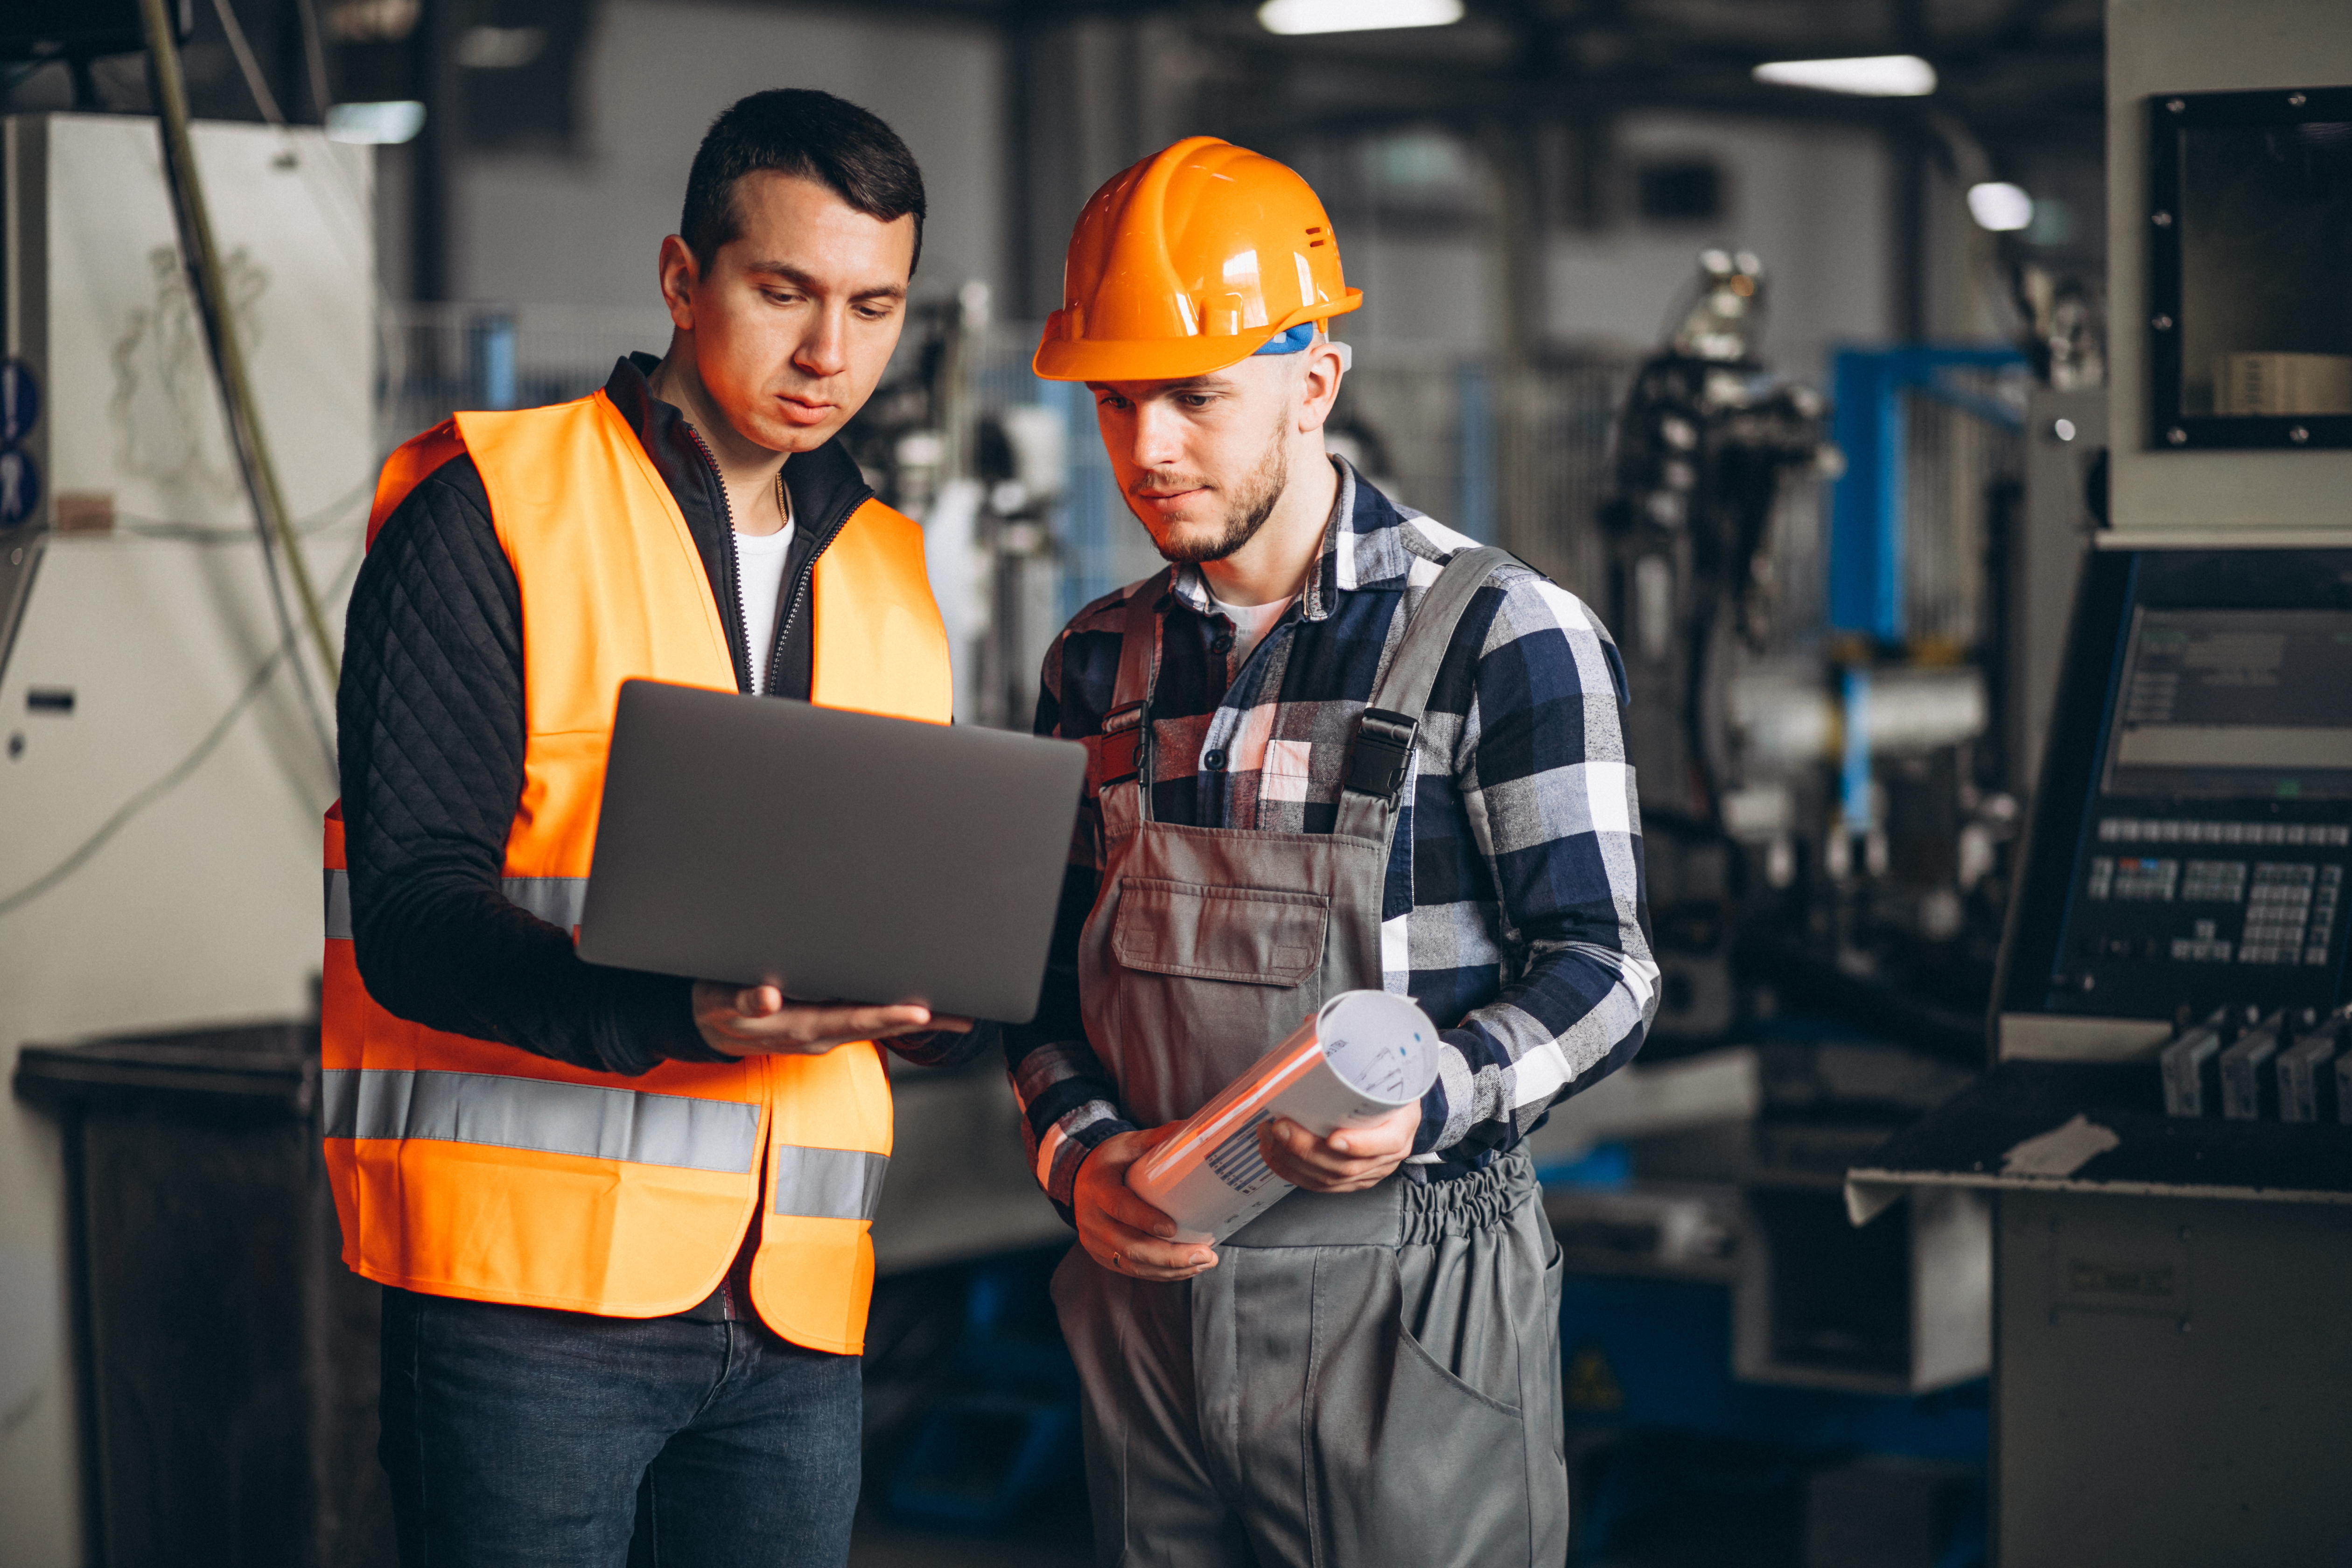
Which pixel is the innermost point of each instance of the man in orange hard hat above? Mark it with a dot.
(1334, 745)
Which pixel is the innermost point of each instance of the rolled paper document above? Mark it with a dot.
(1362, 1055)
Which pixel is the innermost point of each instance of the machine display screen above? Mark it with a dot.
(2200, 781)
(2234, 703)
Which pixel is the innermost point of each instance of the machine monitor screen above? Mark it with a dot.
(2199, 781)
(2234, 703)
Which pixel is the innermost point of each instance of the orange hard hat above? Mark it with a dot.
(1193, 259)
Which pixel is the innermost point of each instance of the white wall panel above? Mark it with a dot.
(205, 906)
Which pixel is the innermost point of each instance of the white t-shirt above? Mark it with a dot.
(1251, 622)
(760, 579)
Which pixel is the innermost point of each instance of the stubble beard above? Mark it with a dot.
(1253, 504)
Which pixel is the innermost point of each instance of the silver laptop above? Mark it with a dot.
(870, 860)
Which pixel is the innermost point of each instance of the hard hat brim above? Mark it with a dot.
(1167, 359)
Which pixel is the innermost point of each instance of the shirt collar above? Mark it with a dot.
(1363, 547)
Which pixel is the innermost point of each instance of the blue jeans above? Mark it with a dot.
(517, 1437)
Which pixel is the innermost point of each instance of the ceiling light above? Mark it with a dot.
(382, 124)
(1866, 76)
(2000, 206)
(1355, 15)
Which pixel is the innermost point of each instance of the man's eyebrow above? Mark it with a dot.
(1211, 382)
(802, 281)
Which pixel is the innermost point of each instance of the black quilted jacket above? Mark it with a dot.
(431, 715)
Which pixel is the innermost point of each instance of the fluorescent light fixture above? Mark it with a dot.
(382, 124)
(2000, 206)
(1864, 75)
(1355, 15)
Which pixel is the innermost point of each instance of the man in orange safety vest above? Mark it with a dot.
(622, 1219)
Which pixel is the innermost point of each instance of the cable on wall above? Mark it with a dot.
(254, 82)
(271, 521)
(172, 779)
(178, 773)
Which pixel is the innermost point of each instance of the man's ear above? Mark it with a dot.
(678, 276)
(1319, 383)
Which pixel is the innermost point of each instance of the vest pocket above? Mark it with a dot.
(1254, 935)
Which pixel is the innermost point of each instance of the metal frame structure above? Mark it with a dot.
(1871, 428)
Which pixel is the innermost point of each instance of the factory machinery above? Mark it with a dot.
(2160, 1129)
(2039, 826)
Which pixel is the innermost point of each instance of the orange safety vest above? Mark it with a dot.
(465, 1168)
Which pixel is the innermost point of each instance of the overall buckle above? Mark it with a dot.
(1382, 752)
(1123, 734)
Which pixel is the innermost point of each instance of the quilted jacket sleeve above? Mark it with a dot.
(431, 720)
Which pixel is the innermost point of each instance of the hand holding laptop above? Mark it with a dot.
(904, 874)
(756, 1020)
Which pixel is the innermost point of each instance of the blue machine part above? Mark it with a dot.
(1853, 771)
(1656, 1354)
(1002, 1301)
(494, 345)
(978, 1457)
(1093, 513)
(1609, 1165)
(1868, 505)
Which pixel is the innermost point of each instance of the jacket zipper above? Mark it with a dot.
(734, 561)
(800, 584)
(735, 570)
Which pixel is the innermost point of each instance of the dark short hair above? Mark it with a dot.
(808, 134)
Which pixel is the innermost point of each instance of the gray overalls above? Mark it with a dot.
(1364, 1379)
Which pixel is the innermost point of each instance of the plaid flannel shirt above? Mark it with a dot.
(1513, 908)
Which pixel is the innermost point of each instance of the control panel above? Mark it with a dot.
(2179, 909)
(2213, 825)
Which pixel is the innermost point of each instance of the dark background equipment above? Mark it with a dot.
(227, 1357)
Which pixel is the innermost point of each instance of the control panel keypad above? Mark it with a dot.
(2278, 914)
(2144, 830)
(2290, 905)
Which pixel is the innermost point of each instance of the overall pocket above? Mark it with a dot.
(1254, 936)
(1414, 1463)
(1209, 979)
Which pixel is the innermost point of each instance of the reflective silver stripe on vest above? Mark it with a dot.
(558, 901)
(828, 1184)
(546, 1117)
(339, 906)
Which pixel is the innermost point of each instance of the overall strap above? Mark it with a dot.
(1381, 756)
(1127, 728)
